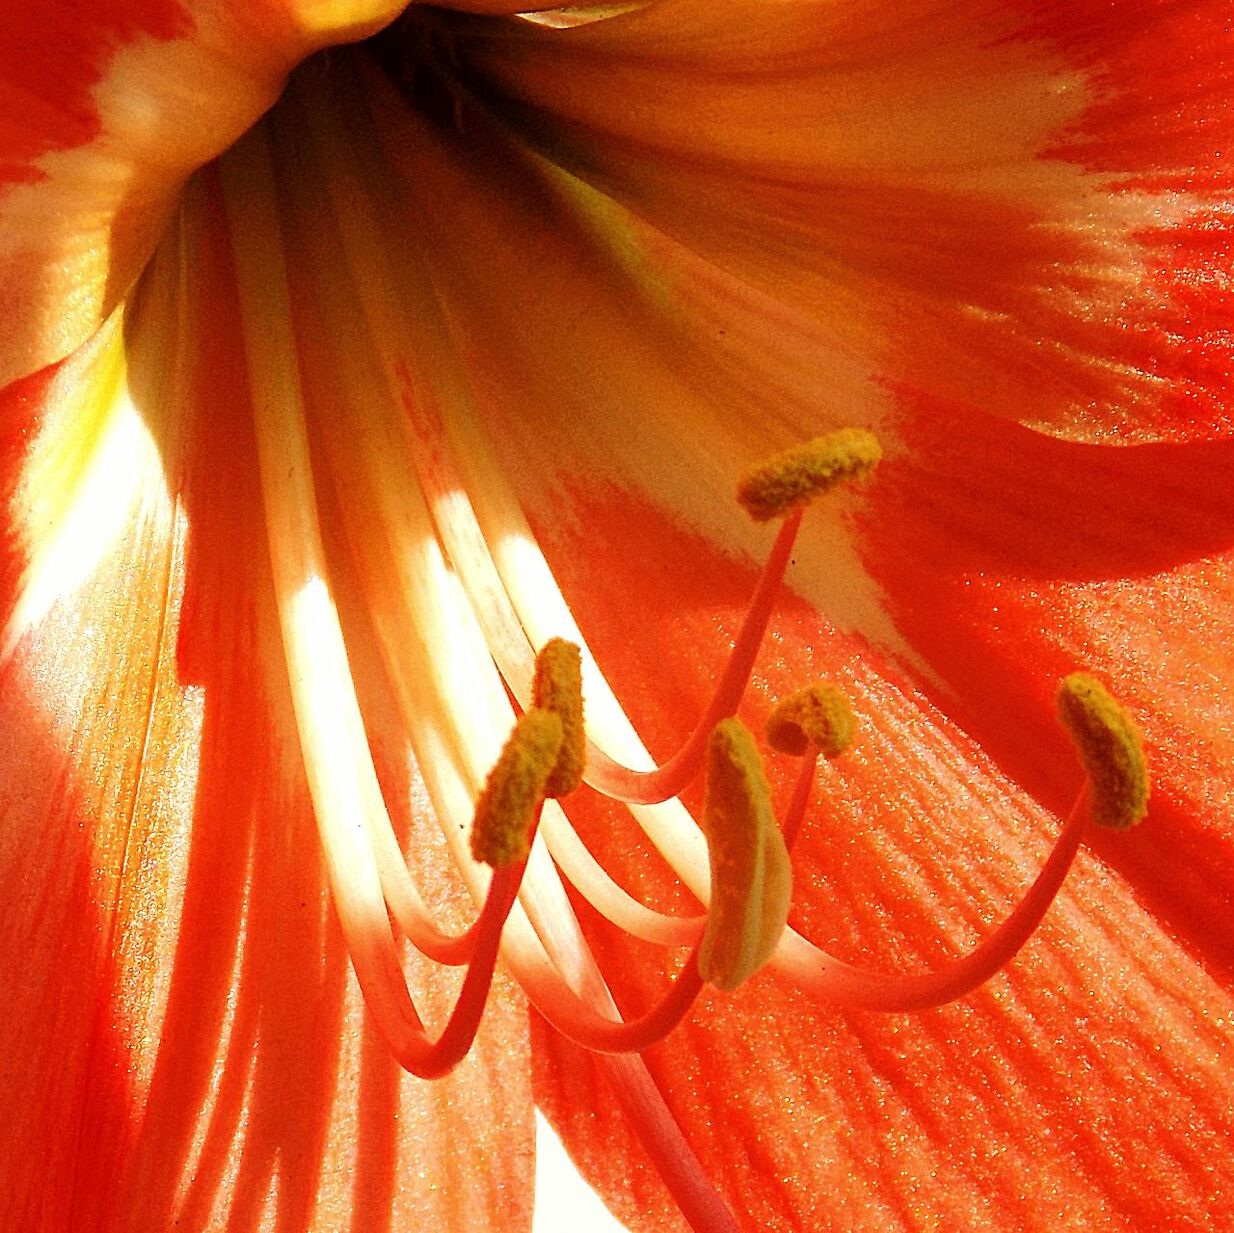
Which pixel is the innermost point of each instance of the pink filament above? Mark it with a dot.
(568, 1014)
(864, 989)
(574, 859)
(791, 825)
(430, 1059)
(666, 781)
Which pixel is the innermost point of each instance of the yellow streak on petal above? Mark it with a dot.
(89, 471)
(344, 21)
(750, 869)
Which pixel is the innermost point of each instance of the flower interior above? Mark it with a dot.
(381, 492)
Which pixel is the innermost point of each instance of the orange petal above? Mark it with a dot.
(1005, 557)
(1087, 1083)
(986, 204)
(583, 399)
(193, 1049)
(105, 108)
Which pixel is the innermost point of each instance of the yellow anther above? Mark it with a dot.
(751, 877)
(1110, 751)
(818, 716)
(501, 828)
(558, 687)
(806, 471)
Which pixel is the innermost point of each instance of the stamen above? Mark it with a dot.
(800, 474)
(1117, 794)
(740, 826)
(1110, 750)
(666, 781)
(558, 687)
(848, 985)
(341, 780)
(751, 877)
(819, 717)
(581, 869)
(506, 809)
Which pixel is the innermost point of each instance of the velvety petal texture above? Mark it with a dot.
(552, 280)
(1088, 1085)
(1023, 206)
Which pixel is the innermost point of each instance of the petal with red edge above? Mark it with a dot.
(104, 111)
(573, 415)
(984, 201)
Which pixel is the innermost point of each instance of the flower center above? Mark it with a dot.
(461, 609)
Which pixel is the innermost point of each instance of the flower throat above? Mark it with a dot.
(510, 834)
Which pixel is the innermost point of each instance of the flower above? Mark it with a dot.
(546, 287)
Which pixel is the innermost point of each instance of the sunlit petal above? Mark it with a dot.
(466, 347)
(105, 108)
(207, 1037)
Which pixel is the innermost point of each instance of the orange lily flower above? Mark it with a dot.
(360, 363)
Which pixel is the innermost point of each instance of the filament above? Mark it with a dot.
(816, 971)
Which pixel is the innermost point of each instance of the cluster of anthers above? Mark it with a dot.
(548, 756)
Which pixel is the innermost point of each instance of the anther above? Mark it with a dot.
(558, 687)
(800, 474)
(751, 877)
(1110, 751)
(817, 717)
(506, 810)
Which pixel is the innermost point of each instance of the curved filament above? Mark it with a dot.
(848, 985)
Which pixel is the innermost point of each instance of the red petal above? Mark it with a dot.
(105, 108)
(602, 374)
(1008, 559)
(986, 203)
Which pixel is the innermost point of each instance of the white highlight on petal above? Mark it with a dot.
(564, 1201)
(570, 18)
(93, 471)
(72, 240)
